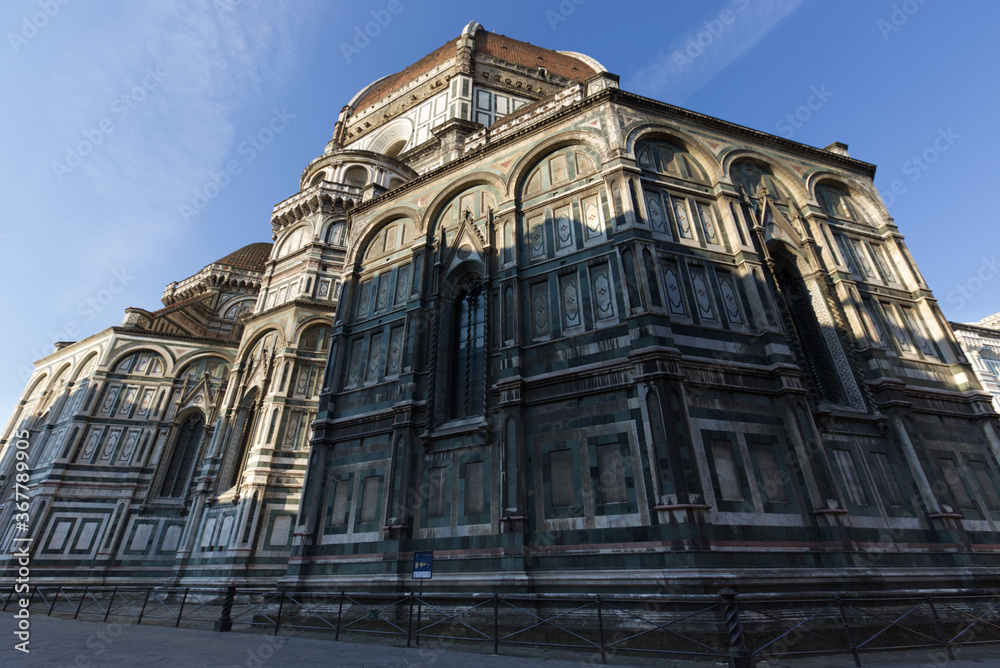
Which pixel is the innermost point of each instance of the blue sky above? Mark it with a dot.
(118, 120)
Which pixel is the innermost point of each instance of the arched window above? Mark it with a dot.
(335, 234)
(469, 349)
(284, 378)
(559, 168)
(215, 367)
(838, 204)
(670, 159)
(807, 331)
(293, 241)
(753, 175)
(660, 444)
(393, 149)
(654, 286)
(315, 339)
(630, 281)
(247, 416)
(239, 308)
(508, 243)
(356, 176)
(143, 363)
(182, 458)
(391, 242)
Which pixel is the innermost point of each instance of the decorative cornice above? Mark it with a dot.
(324, 197)
(219, 343)
(310, 305)
(213, 277)
(347, 154)
(978, 329)
(811, 152)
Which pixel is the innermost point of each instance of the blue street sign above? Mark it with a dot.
(423, 565)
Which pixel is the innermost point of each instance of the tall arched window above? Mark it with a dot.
(807, 329)
(654, 286)
(660, 443)
(182, 458)
(469, 347)
(630, 281)
(335, 234)
(248, 417)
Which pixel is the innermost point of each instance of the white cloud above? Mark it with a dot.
(210, 57)
(118, 209)
(709, 47)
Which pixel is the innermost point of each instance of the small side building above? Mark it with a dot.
(981, 343)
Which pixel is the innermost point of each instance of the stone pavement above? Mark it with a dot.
(79, 644)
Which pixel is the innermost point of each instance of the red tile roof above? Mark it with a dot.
(529, 55)
(400, 79)
(252, 257)
(488, 44)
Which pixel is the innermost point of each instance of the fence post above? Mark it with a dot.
(110, 603)
(340, 612)
(225, 621)
(143, 611)
(180, 612)
(739, 655)
(55, 597)
(847, 632)
(496, 623)
(82, 597)
(937, 624)
(281, 605)
(600, 630)
(420, 615)
(409, 624)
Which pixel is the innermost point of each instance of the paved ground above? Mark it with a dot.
(78, 644)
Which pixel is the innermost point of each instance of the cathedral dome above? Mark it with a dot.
(252, 257)
(479, 76)
(521, 55)
(233, 267)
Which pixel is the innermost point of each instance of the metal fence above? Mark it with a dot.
(728, 627)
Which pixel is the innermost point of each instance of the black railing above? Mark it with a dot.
(740, 629)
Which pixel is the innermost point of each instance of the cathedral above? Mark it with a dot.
(562, 336)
